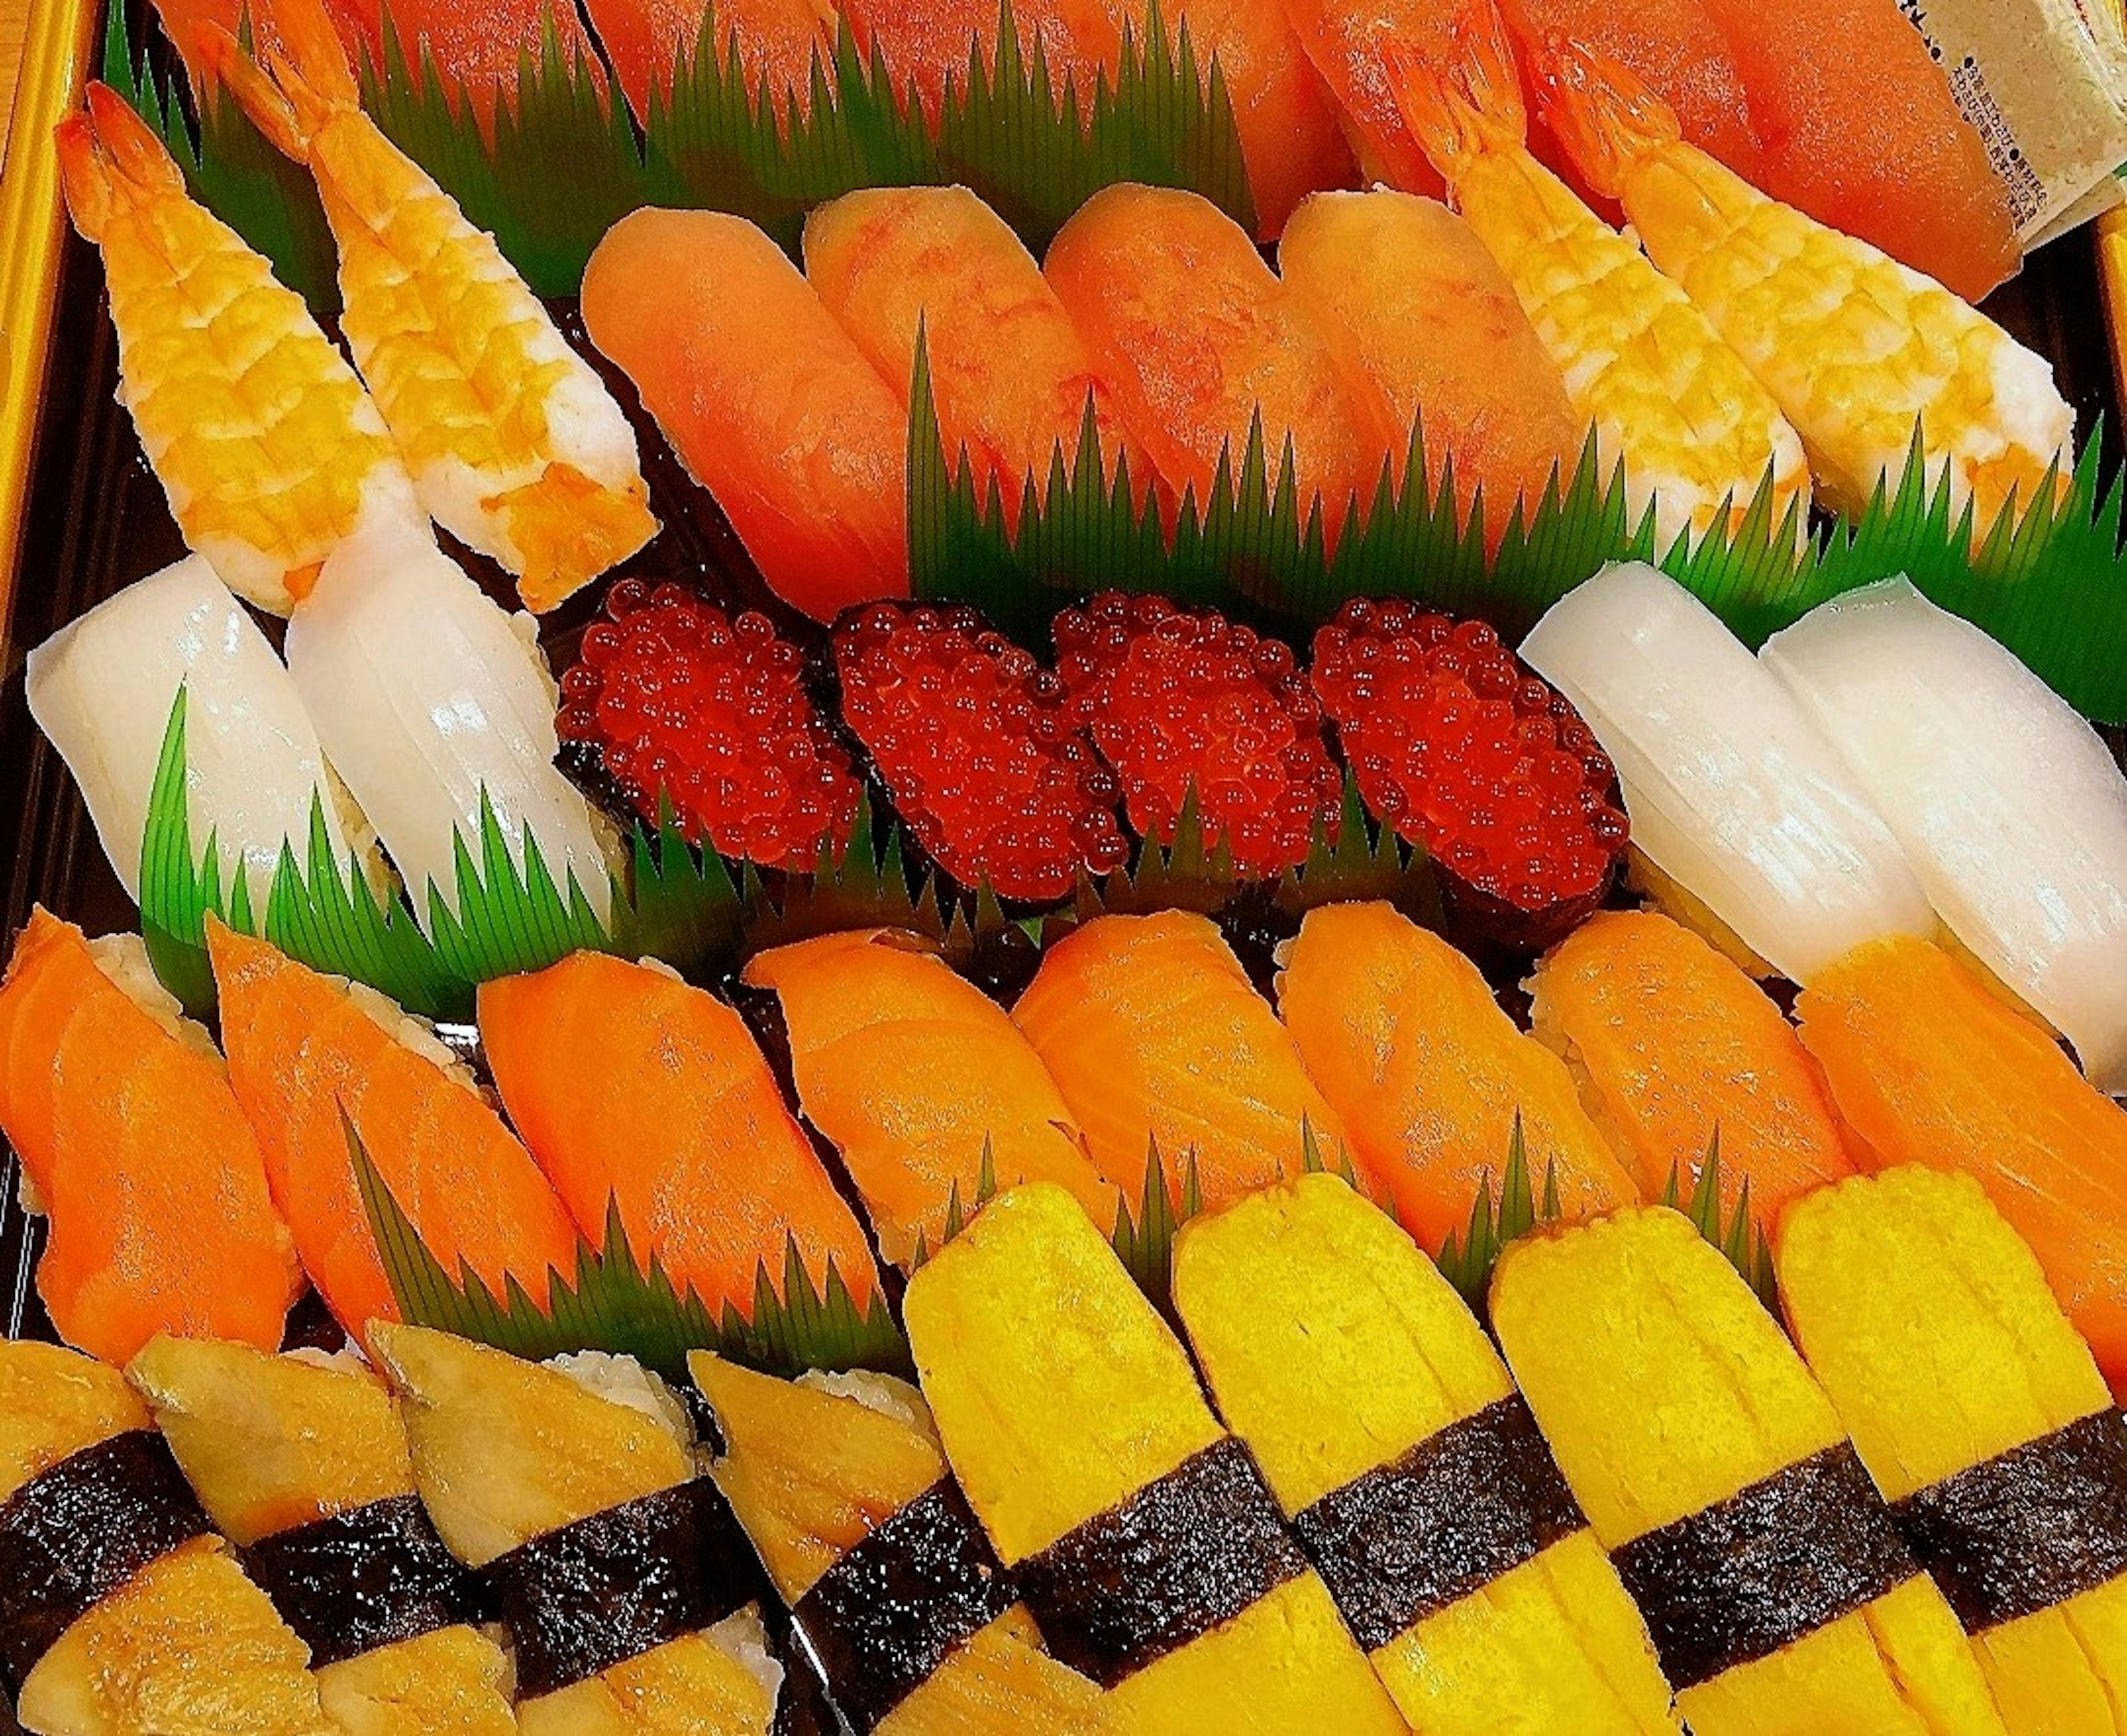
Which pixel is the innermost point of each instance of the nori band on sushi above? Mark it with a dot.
(889, 1612)
(620, 1583)
(1187, 1552)
(1775, 1561)
(1404, 1540)
(363, 1579)
(2031, 1528)
(74, 1533)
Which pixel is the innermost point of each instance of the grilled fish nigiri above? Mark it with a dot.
(133, 1617)
(303, 1465)
(1695, 431)
(780, 46)
(1674, 1048)
(1857, 348)
(311, 1056)
(640, 1094)
(1985, 1422)
(1429, 1076)
(770, 405)
(1011, 381)
(921, 1082)
(1927, 1067)
(1428, 331)
(842, 1484)
(1076, 1427)
(629, 1590)
(1386, 1427)
(1159, 1041)
(515, 446)
(1200, 340)
(1780, 1593)
(122, 1114)
(269, 465)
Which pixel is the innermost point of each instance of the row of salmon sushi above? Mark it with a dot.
(1311, 84)
(1644, 1508)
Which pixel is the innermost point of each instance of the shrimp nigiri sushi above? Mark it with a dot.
(1010, 379)
(631, 1597)
(1428, 331)
(1674, 1048)
(777, 44)
(1159, 1042)
(311, 1056)
(640, 1094)
(1857, 348)
(1927, 1067)
(1752, 823)
(842, 1484)
(515, 445)
(122, 1114)
(129, 1616)
(921, 1082)
(769, 403)
(1076, 1425)
(302, 1464)
(2011, 810)
(104, 688)
(1402, 1034)
(1200, 339)
(270, 466)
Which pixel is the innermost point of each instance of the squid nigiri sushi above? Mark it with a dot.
(1857, 348)
(842, 1484)
(2011, 810)
(1076, 1427)
(1735, 796)
(1199, 338)
(515, 445)
(129, 1616)
(777, 45)
(303, 1465)
(1403, 1036)
(921, 1082)
(1159, 1041)
(1010, 379)
(102, 688)
(122, 1114)
(770, 405)
(1674, 1048)
(311, 1056)
(1427, 330)
(630, 1596)
(437, 708)
(269, 466)
(639, 1094)
(1928, 1067)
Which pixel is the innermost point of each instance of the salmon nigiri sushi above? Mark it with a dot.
(921, 1082)
(932, 47)
(770, 405)
(303, 1464)
(1674, 1047)
(1403, 1036)
(122, 1114)
(476, 47)
(777, 45)
(1159, 1042)
(1199, 338)
(310, 1057)
(1927, 1067)
(1010, 379)
(1427, 330)
(640, 1094)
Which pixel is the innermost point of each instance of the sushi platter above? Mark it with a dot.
(1244, 866)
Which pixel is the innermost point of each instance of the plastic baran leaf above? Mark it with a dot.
(1738, 1236)
(1466, 1260)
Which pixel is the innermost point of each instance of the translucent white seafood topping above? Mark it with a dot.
(1731, 791)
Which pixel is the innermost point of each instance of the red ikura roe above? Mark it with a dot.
(677, 697)
(977, 749)
(1456, 743)
(1180, 698)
